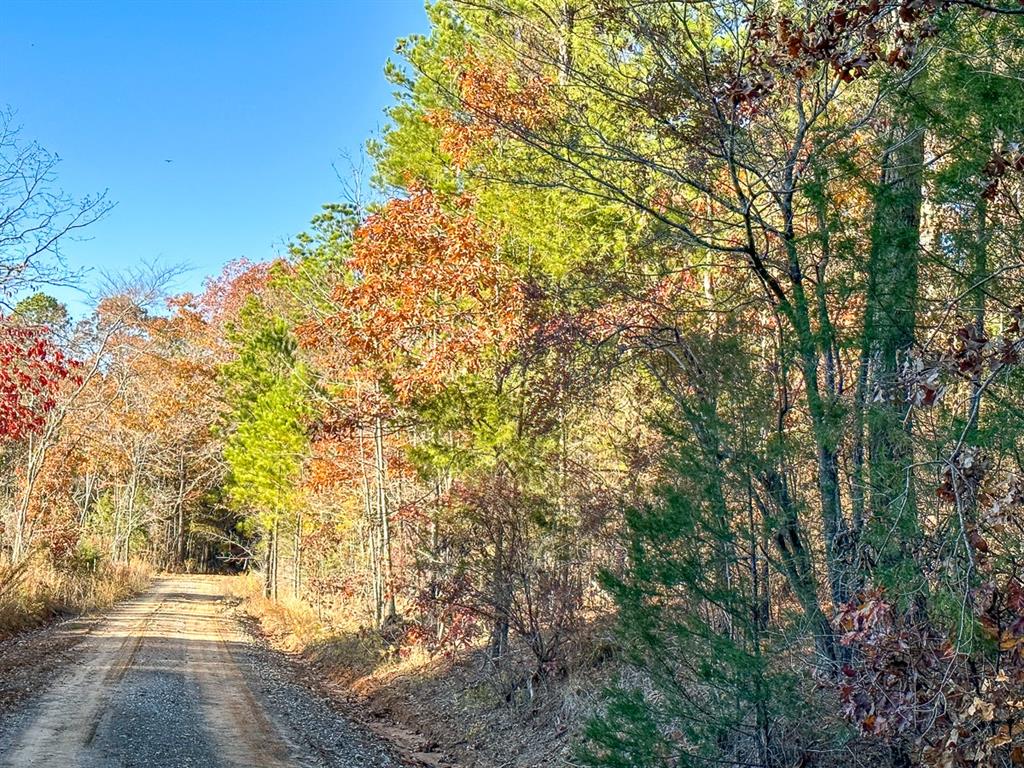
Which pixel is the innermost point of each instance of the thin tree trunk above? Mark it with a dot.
(20, 542)
(376, 590)
(274, 561)
(979, 273)
(115, 545)
(796, 561)
(501, 597)
(297, 574)
(133, 490)
(380, 465)
(268, 565)
(180, 543)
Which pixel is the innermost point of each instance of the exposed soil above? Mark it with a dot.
(169, 679)
(456, 712)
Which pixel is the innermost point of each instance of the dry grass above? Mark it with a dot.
(461, 710)
(292, 625)
(332, 642)
(35, 591)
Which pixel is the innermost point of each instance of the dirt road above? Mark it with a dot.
(171, 680)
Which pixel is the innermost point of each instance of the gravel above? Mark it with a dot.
(168, 680)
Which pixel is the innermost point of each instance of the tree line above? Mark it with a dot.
(702, 318)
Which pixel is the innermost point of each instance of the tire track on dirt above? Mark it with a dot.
(169, 680)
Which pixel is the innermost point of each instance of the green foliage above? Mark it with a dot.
(41, 309)
(409, 149)
(267, 391)
(267, 449)
(693, 628)
(472, 426)
(315, 258)
(628, 735)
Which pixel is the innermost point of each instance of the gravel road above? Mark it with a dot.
(170, 680)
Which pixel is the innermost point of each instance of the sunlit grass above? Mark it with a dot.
(37, 591)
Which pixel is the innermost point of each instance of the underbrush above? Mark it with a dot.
(37, 590)
(464, 708)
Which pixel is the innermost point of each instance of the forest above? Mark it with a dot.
(665, 364)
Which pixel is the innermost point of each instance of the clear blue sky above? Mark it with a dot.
(251, 101)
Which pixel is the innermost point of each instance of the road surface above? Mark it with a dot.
(170, 680)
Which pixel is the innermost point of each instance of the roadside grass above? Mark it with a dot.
(37, 591)
(293, 625)
(333, 640)
(458, 709)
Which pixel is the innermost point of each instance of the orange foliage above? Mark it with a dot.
(223, 296)
(333, 462)
(426, 297)
(491, 96)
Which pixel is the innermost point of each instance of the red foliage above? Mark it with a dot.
(1002, 164)
(925, 378)
(32, 369)
(883, 693)
(849, 39)
(448, 605)
(223, 296)
(908, 681)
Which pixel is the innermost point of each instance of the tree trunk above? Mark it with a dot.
(180, 543)
(889, 328)
(297, 560)
(274, 560)
(268, 565)
(501, 598)
(19, 545)
(376, 595)
(133, 490)
(380, 465)
(979, 273)
(796, 561)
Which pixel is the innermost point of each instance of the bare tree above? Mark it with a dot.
(36, 216)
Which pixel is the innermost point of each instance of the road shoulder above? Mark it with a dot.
(305, 707)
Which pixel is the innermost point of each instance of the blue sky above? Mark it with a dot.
(251, 101)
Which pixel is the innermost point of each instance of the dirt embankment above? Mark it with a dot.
(443, 712)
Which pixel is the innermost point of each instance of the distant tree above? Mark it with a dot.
(43, 310)
(265, 390)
